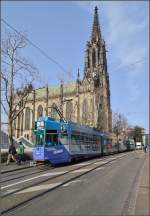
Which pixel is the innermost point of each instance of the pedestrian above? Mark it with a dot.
(145, 148)
(20, 153)
(11, 154)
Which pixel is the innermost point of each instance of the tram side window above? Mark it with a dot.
(80, 140)
(87, 142)
(64, 136)
(94, 143)
(75, 139)
(63, 139)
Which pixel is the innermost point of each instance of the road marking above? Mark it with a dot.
(72, 182)
(82, 164)
(54, 173)
(99, 168)
(113, 158)
(40, 187)
(100, 162)
(9, 191)
(80, 170)
(39, 176)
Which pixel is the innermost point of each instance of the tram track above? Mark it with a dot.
(31, 197)
(25, 175)
(104, 158)
(39, 167)
(11, 172)
(42, 181)
(16, 169)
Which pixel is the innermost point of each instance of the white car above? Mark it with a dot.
(138, 145)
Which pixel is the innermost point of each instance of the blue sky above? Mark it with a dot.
(62, 28)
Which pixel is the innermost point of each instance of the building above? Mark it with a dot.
(86, 101)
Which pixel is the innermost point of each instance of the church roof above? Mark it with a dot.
(53, 90)
(70, 87)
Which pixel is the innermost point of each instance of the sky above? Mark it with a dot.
(61, 29)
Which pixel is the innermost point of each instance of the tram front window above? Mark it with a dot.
(51, 138)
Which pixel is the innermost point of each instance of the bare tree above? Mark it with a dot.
(119, 124)
(137, 133)
(17, 77)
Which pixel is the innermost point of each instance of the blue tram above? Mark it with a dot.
(59, 141)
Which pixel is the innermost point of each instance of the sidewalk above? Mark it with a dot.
(142, 202)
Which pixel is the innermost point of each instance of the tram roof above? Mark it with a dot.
(84, 129)
(73, 126)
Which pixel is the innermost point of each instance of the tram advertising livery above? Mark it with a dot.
(59, 142)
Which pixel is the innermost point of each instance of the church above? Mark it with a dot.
(85, 101)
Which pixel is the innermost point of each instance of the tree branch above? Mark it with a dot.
(6, 88)
(26, 94)
(4, 108)
(14, 117)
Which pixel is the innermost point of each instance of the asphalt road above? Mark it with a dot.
(108, 190)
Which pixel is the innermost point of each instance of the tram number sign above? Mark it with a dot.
(40, 124)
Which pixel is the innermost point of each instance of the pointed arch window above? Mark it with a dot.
(99, 56)
(39, 111)
(94, 58)
(85, 112)
(88, 61)
(69, 111)
(27, 119)
(22, 122)
(18, 126)
(15, 126)
(53, 112)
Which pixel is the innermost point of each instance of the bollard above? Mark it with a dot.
(31, 163)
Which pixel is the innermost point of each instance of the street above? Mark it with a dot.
(107, 186)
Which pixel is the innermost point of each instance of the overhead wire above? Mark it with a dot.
(50, 58)
(132, 64)
(37, 47)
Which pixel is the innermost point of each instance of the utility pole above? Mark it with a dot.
(33, 113)
(78, 99)
(47, 94)
(61, 98)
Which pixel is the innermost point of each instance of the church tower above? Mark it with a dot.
(95, 71)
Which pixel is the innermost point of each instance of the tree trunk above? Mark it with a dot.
(118, 141)
(10, 129)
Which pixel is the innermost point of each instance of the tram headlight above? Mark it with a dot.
(42, 124)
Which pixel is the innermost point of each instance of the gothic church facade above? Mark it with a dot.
(85, 101)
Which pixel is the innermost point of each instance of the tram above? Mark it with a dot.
(61, 141)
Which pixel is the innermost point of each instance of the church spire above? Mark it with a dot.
(96, 34)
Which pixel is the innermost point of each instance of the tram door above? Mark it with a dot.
(39, 138)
